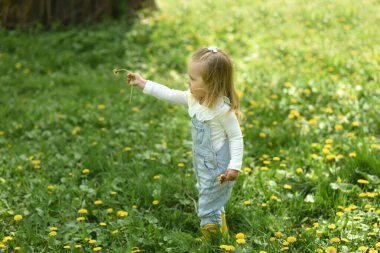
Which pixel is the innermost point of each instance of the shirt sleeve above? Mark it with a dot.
(231, 125)
(164, 93)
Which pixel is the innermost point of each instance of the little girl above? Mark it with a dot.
(213, 106)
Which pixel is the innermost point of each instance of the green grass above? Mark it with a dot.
(306, 73)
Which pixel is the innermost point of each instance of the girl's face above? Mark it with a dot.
(196, 83)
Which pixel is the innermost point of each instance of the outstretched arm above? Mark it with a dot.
(157, 90)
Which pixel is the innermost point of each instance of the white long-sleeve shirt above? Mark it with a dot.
(223, 123)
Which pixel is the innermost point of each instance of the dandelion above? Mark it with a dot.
(291, 239)
(272, 239)
(247, 202)
(331, 226)
(122, 213)
(374, 146)
(53, 233)
(181, 164)
(17, 248)
(355, 123)
(127, 149)
(240, 241)
(284, 248)
(97, 249)
(362, 181)
(103, 224)
(331, 249)
(66, 247)
(335, 239)
(81, 218)
(155, 202)
(109, 210)
(363, 248)
(113, 193)
(239, 236)
(92, 241)
(227, 247)
(101, 106)
(2, 246)
(17, 217)
(78, 246)
(85, 171)
(7, 239)
(287, 187)
(340, 214)
(157, 177)
(278, 234)
(82, 210)
(98, 202)
(116, 72)
(299, 170)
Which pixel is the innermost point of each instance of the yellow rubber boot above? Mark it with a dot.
(209, 232)
(224, 228)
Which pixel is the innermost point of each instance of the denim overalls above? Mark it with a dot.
(208, 165)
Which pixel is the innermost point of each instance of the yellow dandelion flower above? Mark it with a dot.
(97, 249)
(227, 247)
(285, 243)
(288, 84)
(276, 158)
(316, 225)
(98, 202)
(262, 135)
(299, 170)
(240, 241)
(352, 154)
(344, 239)
(155, 202)
(287, 187)
(92, 241)
(272, 239)
(319, 250)
(78, 246)
(2, 246)
(81, 218)
(17, 248)
(363, 248)
(7, 239)
(331, 226)
(374, 146)
(103, 224)
(122, 213)
(239, 236)
(284, 248)
(331, 249)
(291, 239)
(82, 210)
(157, 177)
(101, 106)
(109, 210)
(362, 181)
(335, 239)
(247, 202)
(181, 164)
(355, 123)
(66, 247)
(127, 149)
(53, 233)
(338, 127)
(340, 214)
(85, 171)
(278, 234)
(17, 217)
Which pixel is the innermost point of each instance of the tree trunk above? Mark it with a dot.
(27, 13)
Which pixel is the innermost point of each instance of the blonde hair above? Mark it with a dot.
(218, 76)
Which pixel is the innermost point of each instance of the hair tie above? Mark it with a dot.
(212, 49)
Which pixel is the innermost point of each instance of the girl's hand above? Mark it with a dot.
(136, 80)
(229, 175)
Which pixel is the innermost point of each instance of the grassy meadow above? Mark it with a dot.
(84, 169)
